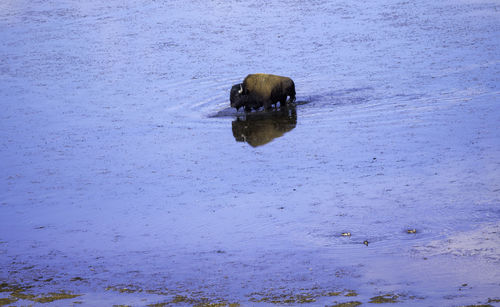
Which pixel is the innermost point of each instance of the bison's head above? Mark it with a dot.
(237, 96)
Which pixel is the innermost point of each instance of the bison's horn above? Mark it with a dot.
(241, 89)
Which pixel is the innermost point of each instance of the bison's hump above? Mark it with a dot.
(265, 84)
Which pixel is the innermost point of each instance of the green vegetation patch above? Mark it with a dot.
(5, 287)
(18, 293)
(217, 305)
(195, 302)
(54, 296)
(282, 298)
(7, 301)
(287, 297)
(347, 304)
(386, 298)
(196, 298)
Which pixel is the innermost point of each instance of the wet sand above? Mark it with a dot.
(125, 178)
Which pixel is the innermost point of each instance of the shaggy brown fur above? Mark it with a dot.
(263, 90)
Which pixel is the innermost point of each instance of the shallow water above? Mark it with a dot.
(127, 179)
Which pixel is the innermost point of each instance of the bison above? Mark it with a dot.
(259, 90)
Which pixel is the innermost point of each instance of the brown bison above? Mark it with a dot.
(259, 90)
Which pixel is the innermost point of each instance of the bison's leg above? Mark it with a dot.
(283, 101)
(268, 104)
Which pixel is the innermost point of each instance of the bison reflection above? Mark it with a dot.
(261, 128)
